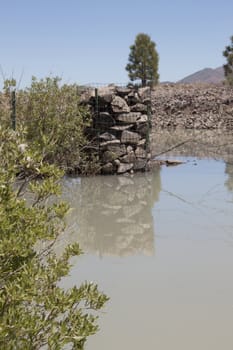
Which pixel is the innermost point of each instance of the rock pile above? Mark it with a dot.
(192, 106)
(121, 127)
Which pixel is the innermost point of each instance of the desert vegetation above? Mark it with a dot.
(35, 311)
(53, 122)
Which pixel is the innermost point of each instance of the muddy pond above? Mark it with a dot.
(160, 245)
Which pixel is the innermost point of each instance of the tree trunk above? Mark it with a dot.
(143, 82)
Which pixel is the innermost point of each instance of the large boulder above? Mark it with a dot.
(119, 105)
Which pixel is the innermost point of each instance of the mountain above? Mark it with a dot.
(206, 75)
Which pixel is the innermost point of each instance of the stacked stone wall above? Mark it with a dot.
(121, 127)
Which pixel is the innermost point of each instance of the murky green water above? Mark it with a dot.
(161, 246)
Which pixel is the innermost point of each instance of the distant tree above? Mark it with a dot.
(143, 60)
(228, 67)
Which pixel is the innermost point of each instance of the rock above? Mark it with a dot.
(107, 168)
(129, 158)
(142, 143)
(143, 129)
(140, 152)
(106, 93)
(129, 149)
(140, 164)
(109, 156)
(103, 121)
(119, 149)
(129, 117)
(106, 144)
(139, 107)
(123, 168)
(122, 91)
(117, 162)
(121, 127)
(87, 95)
(143, 119)
(173, 162)
(133, 98)
(144, 94)
(153, 164)
(130, 137)
(119, 105)
(107, 136)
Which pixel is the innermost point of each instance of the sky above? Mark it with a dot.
(87, 41)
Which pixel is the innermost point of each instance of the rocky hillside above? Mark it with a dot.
(193, 106)
(206, 75)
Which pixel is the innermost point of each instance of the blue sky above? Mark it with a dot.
(87, 41)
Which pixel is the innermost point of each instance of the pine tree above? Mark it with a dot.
(143, 60)
(228, 67)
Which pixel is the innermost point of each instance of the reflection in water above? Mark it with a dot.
(229, 172)
(215, 144)
(180, 299)
(112, 215)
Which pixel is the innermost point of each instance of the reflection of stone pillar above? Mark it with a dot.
(113, 215)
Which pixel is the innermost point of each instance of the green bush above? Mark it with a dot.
(54, 120)
(34, 310)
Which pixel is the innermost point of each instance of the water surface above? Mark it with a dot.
(161, 246)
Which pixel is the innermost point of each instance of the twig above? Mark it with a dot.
(173, 147)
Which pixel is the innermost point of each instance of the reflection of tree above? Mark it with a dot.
(113, 215)
(229, 172)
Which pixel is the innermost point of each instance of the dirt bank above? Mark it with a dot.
(193, 106)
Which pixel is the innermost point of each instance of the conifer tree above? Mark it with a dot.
(143, 60)
(228, 67)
